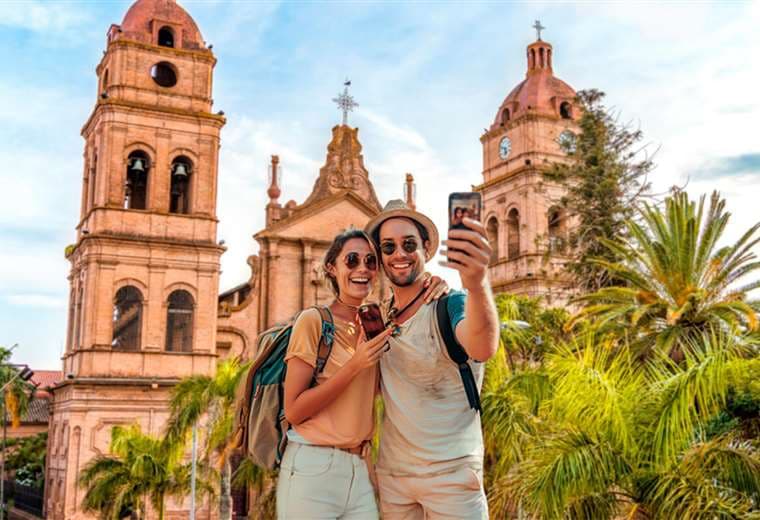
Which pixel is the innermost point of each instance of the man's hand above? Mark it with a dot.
(468, 252)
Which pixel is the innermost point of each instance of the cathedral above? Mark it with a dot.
(145, 309)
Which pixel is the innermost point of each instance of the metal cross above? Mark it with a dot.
(538, 27)
(345, 101)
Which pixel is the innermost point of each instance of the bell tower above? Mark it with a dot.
(145, 266)
(525, 226)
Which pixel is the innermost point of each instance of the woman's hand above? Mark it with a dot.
(368, 353)
(436, 287)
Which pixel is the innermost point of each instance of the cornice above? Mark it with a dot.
(203, 55)
(500, 130)
(104, 104)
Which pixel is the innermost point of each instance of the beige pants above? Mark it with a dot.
(457, 495)
(323, 483)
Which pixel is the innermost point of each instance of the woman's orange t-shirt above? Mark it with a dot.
(348, 420)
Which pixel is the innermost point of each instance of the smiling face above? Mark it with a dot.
(403, 268)
(354, 285)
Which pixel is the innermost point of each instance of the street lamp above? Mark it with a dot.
(25, 374)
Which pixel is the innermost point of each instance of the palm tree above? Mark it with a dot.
(197, 397)
(679, 282)
(139, 468)
(612, 435)
(19, 392)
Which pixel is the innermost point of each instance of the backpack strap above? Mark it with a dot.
(327, 336)
(457, 353)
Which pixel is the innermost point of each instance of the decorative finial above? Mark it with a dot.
(538, 27)
(345, 101)
(410, 191)
(274, 180)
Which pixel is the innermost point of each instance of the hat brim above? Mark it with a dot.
(432, 246)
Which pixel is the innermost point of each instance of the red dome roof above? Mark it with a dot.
(540, 92)
(137, 22)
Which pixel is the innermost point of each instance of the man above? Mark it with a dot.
(431, 449)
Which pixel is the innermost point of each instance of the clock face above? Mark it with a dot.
(505, 146)
(567, 141)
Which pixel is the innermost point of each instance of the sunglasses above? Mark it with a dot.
(409, 245)
(353, 259)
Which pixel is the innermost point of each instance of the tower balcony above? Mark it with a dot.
(110, 363)
(118, 222)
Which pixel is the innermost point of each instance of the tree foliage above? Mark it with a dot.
(593, 429)
(604, 176)
(679, 280)
(26, 457)
(18, 394)
(139, 468)
(212, 398)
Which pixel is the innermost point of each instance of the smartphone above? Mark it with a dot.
(464, 204)
(372, 319)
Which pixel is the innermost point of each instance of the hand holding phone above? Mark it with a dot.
(371, 319)
(467, 247)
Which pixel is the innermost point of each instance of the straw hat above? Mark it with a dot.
(398, 208)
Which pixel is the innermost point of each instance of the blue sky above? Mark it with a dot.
(428, 76)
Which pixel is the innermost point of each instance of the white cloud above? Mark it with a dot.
(47, 18)
(36, 300)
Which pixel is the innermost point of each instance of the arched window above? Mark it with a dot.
(181, 170)
(556, 224)
(492, 230)
(76, 338)
(91, 183)
(136, 187)
(127, 318)
(104, 84)
(533, 58)
(513, 234)
(541, 57)
(505, 115)
(166, 37)
(179, 322)
(72, 314)
(565, 110)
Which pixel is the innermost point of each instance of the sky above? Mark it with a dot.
(428, 77)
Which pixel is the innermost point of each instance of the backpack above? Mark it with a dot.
(260, 424)
(457, 353)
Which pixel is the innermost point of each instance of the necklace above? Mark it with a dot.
(354, 308)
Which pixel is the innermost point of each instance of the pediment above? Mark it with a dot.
(323, 220)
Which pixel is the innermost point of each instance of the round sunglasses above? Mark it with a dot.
(353, 259)
(409, 245)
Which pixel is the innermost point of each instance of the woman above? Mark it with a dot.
(323, 474)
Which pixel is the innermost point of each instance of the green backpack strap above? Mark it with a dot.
(326, 339)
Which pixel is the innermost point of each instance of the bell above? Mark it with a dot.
(137, 165)
(180, 171)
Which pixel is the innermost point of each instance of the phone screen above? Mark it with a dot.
(464, 205)
(372, 319)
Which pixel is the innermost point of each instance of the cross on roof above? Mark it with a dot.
(538, 27)
(345, 101)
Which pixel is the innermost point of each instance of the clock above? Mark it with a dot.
(505, 146)
(567, 141)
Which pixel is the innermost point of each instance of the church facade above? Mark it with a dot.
(145, 309)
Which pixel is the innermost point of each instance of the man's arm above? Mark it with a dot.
(478, 332)
(468, 252)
